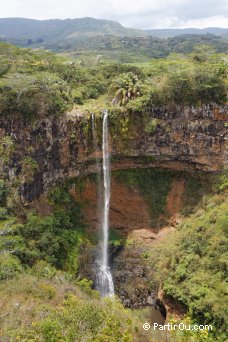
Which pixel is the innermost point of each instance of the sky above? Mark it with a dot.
(143, 14)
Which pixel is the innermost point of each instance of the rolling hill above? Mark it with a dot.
(22, 31)
(96, 39)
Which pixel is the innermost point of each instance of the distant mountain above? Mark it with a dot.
(106, 35)
(166, 33)
(23, 31)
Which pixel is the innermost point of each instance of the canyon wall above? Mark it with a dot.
(182, 139)
(179, 141)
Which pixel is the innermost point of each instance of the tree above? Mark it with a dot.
(127, 87)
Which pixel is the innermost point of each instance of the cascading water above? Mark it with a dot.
(98, 173)
(104, 282)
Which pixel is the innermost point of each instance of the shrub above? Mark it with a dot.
(43, 269)
(86, 286)
(151, 126)
(10, 266)
(3, 213)
(47, 290)
(82, 320)
(29, 167)
(2, 189)
(192, 266)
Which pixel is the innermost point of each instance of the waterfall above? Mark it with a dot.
(98, 173)
(104, 282)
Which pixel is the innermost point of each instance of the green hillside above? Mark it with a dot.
(136, 49)
(92, 41)
(21, 30)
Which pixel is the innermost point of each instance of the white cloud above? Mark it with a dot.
(216, 21)
(131, 13)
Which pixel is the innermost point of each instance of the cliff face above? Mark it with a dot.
(187, 139)
(53, 149)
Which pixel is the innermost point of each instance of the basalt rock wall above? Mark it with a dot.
(182, 139)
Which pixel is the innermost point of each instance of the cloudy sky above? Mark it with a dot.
(130, 13)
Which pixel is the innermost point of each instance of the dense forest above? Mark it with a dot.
(43, 296)
(41, 83)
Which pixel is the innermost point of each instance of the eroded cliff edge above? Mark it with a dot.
(184, 139)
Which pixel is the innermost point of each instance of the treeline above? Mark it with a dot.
(133, 49)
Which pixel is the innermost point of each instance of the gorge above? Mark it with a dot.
(158, 178)
(186, 145)
(109, 219)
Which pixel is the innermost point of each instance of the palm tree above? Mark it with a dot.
(127, 87)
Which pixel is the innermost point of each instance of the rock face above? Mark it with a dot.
(132, 278)
(128, 208)
(131, 209)
(184, 139)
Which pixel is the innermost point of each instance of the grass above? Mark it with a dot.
(54, 309)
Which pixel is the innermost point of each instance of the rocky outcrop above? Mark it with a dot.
(184, 139)
(132, 278)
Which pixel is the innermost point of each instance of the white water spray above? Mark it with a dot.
(104, 277)
(98, 173)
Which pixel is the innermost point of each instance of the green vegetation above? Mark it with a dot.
(39, 83)
(126, 87)
(44, 305)
(92, 41)
(135, 49)
(40, 262)
(43, 292)
(56, 309)
(192, 265)
(195, 80)
(56, 33)
(56, 238)
(151, 126)
(10, 266)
